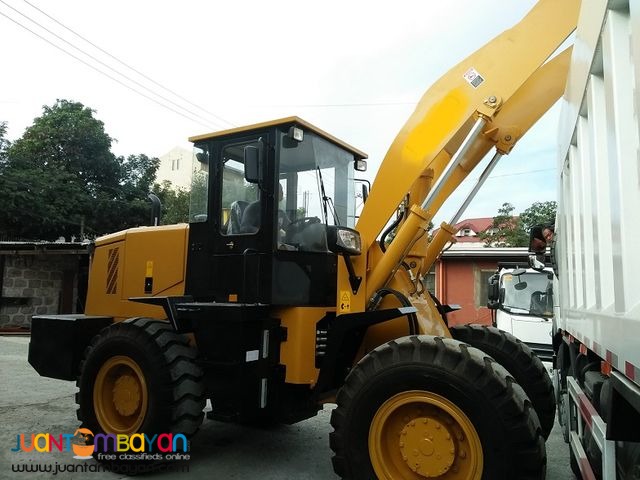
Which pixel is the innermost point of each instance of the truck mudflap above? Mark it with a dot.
(58, 342)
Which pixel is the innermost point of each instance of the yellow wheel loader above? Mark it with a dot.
(275, 299)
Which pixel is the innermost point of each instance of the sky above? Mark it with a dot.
(356, 69)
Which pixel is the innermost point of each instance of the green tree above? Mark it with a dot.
(127, 205)
(199, 195)
(4, 144)
(61, 179)
(508, 230)
(175, 203)
(68, 136)
(505, 230)
(539, 213)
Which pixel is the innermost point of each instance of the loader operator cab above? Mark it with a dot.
(266, 203)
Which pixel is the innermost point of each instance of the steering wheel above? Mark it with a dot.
(297, 226)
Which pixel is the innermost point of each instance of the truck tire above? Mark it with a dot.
(140, 376)
(423, 406)
(520, 361)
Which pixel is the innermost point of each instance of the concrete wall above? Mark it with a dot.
(36, 284)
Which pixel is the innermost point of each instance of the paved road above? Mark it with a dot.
(31, 404)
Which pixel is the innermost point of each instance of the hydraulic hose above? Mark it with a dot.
(387, 231)
(412, 318)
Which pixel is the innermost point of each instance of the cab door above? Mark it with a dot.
(242, 229)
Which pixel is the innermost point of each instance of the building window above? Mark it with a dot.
(175, 164)
(430, 280)
(481, 287)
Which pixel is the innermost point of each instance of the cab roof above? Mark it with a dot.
(358, 154)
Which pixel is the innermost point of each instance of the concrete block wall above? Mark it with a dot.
(33, 285)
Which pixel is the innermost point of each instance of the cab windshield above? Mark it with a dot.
(316, 177)
(528, 294)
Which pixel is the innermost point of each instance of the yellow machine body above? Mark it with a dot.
(144, 261)
(282, 317)
(513, 95)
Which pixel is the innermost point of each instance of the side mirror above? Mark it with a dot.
(203, 158)
(536, 261)
(253, 163)
(493, 292)
(520, 286)
(365, 192)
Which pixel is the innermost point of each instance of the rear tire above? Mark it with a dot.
(433, 407)
(520, 361)
(140, 376)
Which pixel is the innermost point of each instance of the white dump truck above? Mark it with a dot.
(596, 245)
(521, 301)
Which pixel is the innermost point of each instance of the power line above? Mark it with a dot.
(128, 66)
(104, 64)
(191, 118)
(522, 173)
(100, 71)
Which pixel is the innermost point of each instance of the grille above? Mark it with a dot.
(112, 270)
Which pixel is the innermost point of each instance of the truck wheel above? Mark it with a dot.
(520, 361)
(430, 407)
(140, 376)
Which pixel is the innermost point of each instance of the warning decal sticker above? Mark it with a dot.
(345, 301)
(473, 77)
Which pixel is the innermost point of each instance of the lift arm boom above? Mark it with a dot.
(488, 100)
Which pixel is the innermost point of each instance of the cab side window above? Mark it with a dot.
(240, 213)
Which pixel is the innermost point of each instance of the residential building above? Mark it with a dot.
(461, 277)
(175, 166)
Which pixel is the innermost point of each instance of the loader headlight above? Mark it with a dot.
(344, 240)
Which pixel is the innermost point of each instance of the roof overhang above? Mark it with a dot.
(282, 122)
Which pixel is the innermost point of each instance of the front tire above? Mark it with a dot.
(429, 407)
(140, 376)
(520, 361)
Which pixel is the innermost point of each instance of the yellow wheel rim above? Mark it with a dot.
(418, 435)
(120, 396)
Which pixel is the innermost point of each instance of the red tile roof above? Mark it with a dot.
(477, 225)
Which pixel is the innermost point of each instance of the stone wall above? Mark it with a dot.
(36, 284)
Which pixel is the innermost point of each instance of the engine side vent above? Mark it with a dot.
(113, 265)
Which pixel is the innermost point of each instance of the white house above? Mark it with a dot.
(175, 166)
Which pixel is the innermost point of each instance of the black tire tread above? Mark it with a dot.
(520, 361)
(175, 356)
(465, 361)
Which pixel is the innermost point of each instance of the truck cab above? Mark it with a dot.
(522, 299)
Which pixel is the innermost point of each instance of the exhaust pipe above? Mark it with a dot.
(156, 208)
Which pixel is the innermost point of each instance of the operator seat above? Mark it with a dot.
(250, 222)
(236, 212)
